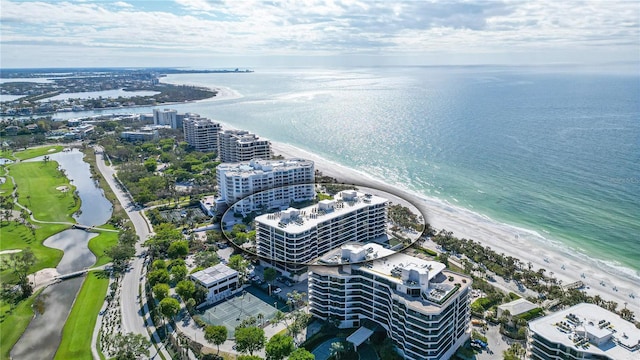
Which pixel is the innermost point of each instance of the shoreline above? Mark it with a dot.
(524, 244)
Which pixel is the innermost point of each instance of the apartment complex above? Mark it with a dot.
(219, 280)
(292, 238)
(583, 331)
(165, 117)
(144, 134)
(264, 184)
(423, 307)
(241, 146)
(201, 133)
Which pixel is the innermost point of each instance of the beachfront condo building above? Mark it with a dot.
(423, 307)
(165, 117)
(241, 146)
(260, 185)
(290, 239)
(201, 133)
(583, 331)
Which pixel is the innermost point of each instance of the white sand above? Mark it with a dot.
(44, 277)
(519, 243)
(13, 251)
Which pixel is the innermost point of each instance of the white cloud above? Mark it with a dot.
(122, 4)
(313, 27)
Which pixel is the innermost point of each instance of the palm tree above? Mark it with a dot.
(261, 319)
(337, 348)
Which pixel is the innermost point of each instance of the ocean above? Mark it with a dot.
(552, 150)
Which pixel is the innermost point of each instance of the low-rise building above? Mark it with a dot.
(516, 307)
(423, 307)
(208, 205)
(140, 135)
(220, 281)
(583, 331)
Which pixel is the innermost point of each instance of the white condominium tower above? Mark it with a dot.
(264, 184)
(165, 117)
(583, 331)
(201, 133)
(241, 146)
(292, 238)
(423, 307)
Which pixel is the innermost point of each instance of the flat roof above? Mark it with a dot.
(385, 263)
(518, 306)
(310, 216)
(260, 167)
(359, 336)
(562, 327)
(213, 274)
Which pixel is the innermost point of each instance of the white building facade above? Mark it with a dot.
(241, 146)
(220, 281)
(165, 117)
(423, 307)
(583, 331)
(292, 238)
(264, 184)
(201, 133)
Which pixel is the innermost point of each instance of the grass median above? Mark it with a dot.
(77, 331)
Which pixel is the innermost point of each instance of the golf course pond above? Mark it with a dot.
(42, 337)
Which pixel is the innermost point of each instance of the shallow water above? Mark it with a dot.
(42, 337)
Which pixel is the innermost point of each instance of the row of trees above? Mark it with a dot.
(481, 261)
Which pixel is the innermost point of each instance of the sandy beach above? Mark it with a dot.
(520, 243)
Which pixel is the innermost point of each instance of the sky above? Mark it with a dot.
(249, 34)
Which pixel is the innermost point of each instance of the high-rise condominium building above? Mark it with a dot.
(583, 331)
(165, 117)
(264, 184)
(292, 238)
(242, 146)
(201, 133)
(423, 307)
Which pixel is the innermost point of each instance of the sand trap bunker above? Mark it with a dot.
(62, 188)
(52, 150)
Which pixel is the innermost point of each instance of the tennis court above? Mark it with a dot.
(233, 310)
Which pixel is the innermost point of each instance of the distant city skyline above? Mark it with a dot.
(250, 34)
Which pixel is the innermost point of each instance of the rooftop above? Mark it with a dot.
(211, 275)
(435, 282)
(591, 329)
(300, 220)
(518, 306)
(258, 166)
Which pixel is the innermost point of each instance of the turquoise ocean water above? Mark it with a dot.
(553, 150)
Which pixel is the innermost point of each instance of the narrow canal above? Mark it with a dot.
(42, 337)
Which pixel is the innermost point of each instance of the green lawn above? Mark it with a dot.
(7, 186)
(17, 236)
(99, 244)
(39, 151)
(76, 335)
(7, 154)
(12, 327)
(37, 183)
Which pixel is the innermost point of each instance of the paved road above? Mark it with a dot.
(132, 310)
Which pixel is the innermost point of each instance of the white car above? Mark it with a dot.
(277, 290)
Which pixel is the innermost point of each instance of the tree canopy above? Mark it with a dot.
(301, 354)
(278, 347)
(249, 339)
(216, 334)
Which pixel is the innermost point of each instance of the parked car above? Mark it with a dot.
(277, 290)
